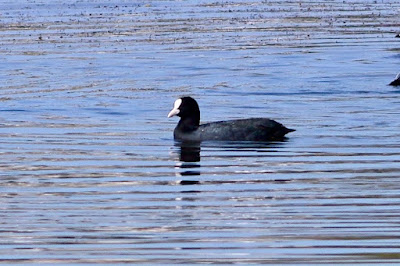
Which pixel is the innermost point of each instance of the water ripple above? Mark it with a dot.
(90, 173)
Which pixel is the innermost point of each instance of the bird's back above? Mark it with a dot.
(253, 129)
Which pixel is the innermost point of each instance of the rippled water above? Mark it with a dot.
(89, 168)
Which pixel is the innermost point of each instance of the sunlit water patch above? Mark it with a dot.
(90, 172)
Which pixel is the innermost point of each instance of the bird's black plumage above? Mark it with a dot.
(252, 129)
(396, 81)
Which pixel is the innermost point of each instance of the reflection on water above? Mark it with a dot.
(188, 152)
(89, 172)
(189, 157)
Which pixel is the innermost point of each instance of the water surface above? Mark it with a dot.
(90, 172)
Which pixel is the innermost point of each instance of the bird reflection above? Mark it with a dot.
(189, 156)
(189, 152)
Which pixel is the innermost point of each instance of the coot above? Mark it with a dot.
(252, 129)
(396, 81)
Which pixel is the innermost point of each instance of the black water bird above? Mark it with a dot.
(252, 129)
(396, 81)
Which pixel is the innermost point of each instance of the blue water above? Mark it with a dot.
(89, 169)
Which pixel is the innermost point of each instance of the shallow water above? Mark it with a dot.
(89, 168)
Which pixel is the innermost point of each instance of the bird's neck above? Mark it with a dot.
(189, 123)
